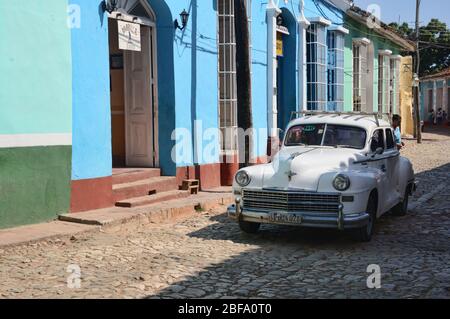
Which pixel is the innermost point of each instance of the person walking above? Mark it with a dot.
(396, 121)
(431, 116)
(439, 116)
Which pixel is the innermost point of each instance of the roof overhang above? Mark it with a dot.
(339, 29)
(381, 30)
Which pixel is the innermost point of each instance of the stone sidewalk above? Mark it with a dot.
(115, 218)
(207, 256)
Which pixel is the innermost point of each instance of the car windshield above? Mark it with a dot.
(326, 135)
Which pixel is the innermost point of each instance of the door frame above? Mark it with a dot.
(121, 15)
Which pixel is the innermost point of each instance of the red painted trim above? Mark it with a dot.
(185, 173)
(89, 194)
(228, 168)
(207, 174)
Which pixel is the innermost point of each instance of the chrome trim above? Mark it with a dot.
(290, 201)
(341, 217)
(238, 201)
(313, 220)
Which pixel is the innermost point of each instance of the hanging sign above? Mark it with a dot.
(279, 44)
(129, 36)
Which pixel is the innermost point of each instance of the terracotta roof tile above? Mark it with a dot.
(443, 73)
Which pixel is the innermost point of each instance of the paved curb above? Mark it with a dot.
(113, 220)
(34, 234)
(118, 219)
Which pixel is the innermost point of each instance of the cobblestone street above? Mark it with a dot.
(207, 256)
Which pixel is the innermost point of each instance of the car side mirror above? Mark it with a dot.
(378, 151)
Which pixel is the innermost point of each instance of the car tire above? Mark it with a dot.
(364, 234)
(401, 209)
(248, 227)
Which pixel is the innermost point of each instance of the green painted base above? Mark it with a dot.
(34, 184)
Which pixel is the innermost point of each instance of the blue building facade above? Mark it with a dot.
(189, 129)
(148, 88)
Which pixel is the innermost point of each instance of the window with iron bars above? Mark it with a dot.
(383, 83)
(394, 107)
(316, 67)
(359, 77)
(335, 41)
(227, 72)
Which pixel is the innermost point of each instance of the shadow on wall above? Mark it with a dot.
(101, 13)
(166, 84)
(287, 72)
(167, 38)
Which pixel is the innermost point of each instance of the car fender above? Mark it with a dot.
(360, 181)
(406, 175)
(256, 174)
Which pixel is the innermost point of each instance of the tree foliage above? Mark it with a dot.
(434, 44)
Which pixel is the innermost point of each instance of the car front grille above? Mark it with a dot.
(290, 201)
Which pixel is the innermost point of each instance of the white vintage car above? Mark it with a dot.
(333, 170)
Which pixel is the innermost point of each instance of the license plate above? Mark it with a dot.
(285, 218)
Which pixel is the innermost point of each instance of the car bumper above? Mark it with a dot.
(313, 220)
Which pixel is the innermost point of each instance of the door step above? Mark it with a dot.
(129, 175)
(144, 187)
(151, 199)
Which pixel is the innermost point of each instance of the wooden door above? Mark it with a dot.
(139, 106)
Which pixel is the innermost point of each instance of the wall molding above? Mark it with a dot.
(31, 140)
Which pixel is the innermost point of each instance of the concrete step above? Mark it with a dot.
(129, 175)
(144, 187)
(152, 199)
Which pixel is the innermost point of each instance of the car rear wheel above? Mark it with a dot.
(401, 209)
(365, 233)
(249, 228)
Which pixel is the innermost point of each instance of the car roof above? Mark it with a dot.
(363, 121)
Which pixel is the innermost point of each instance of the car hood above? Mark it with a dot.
(300, 168)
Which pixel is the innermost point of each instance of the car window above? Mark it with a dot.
(310, 134)
(389, 139)
(377, 140)
(345, 136)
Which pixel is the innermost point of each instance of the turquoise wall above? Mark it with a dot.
(425, 86)
(35, 67)
(358, 30)
(35, 98)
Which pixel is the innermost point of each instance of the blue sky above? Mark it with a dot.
(405, 10)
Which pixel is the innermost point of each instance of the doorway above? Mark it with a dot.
(134, 107)
(448, 104)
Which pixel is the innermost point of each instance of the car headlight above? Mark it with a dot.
(242, 178)
(341, 182)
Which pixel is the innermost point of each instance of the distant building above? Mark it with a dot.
(77, 103)
(434, 94)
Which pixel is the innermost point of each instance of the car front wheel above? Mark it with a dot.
(401, 209)
(249, 228)
(365, 233)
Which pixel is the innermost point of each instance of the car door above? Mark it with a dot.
(392, 161)
(379, 164)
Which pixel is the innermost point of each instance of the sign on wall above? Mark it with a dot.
(129, 36)
(279, 44)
